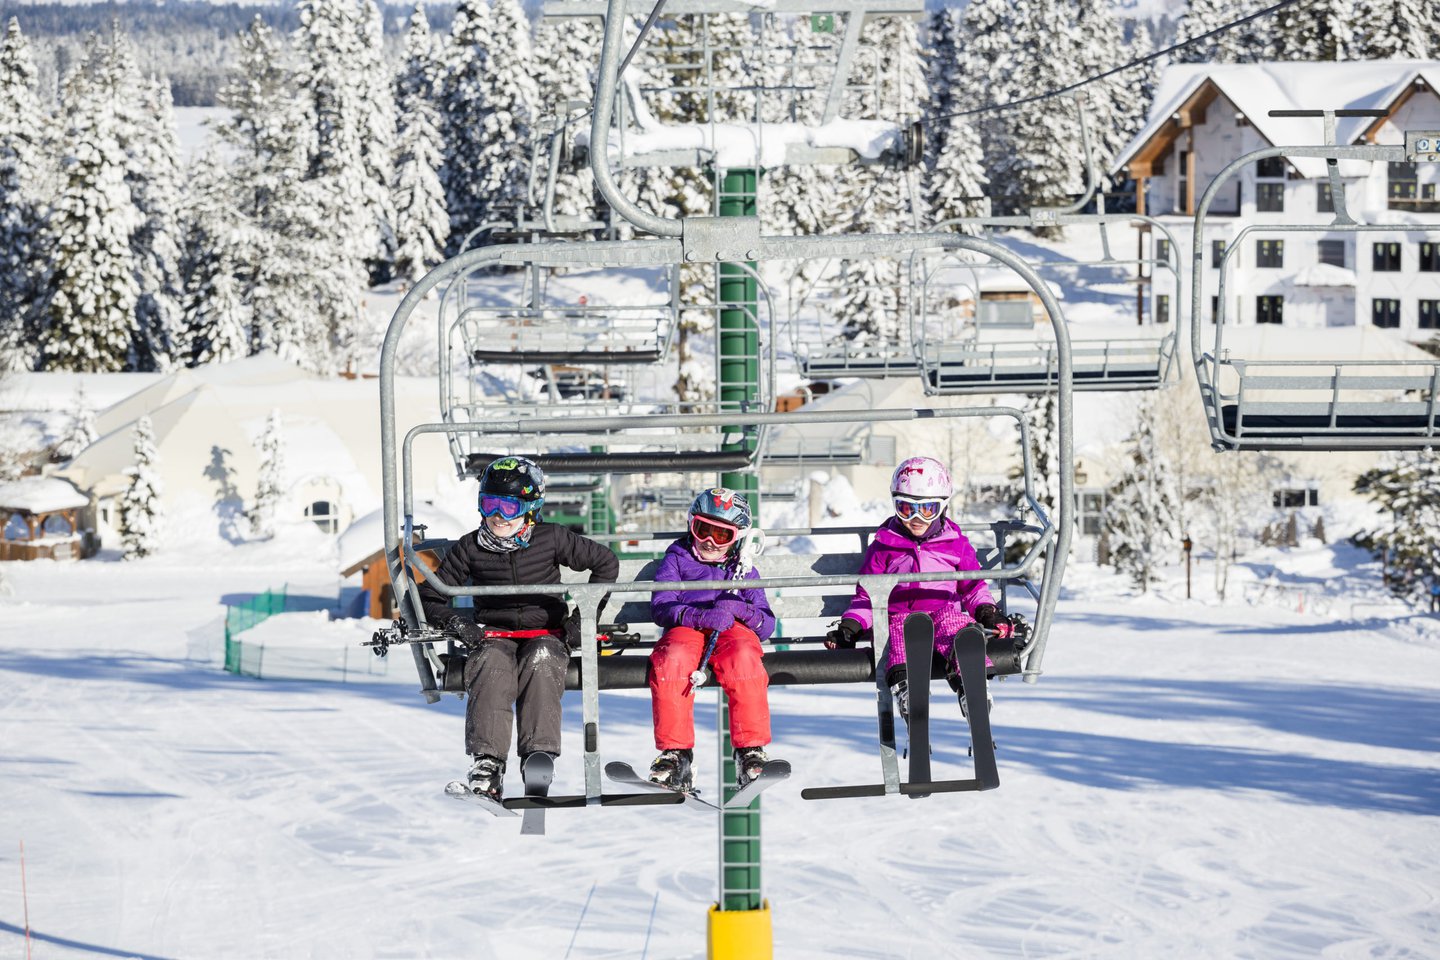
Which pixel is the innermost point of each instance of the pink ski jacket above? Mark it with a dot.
(893, 551)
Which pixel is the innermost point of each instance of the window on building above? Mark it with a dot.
(1324, 201)
(1270, 309)
(324, 515)
(1217, 253)
(1271, 168)
(1162, 308)
(1182, 183)
(1092, 513)
(1162, 251)
(56, 525)
(1385, 312)
(1332, 252)
(1214, 309)
(16, 528)
(1293, 498)
(1270, 253)
(1430, 314)
(1270, 197)
(1386, 257)
(1401, 191)
(1429, 257)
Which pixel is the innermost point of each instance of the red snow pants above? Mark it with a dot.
(737, 668)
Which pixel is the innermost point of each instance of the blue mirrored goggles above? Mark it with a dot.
(507, 507)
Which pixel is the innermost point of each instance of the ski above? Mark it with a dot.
(539, 771)
(919, 651)
(970, 657)
(461, 791)
(774, 772)
(624, 773)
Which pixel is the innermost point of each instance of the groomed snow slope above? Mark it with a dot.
(1188, 780)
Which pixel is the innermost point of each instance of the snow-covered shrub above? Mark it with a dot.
(1407, 489)
(270, 487)
(140, 513)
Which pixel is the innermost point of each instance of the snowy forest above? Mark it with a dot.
(345, 161)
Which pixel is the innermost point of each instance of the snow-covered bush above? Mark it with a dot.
(140, 513)
(270, 487)
(1140, 505)
(1407, 489)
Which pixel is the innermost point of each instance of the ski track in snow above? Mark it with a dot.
(1186, 780)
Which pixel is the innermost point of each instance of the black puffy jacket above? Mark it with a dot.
(551, 547)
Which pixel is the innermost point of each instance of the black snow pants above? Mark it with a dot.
(527, 676)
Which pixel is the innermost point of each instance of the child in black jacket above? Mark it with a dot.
(518, 654)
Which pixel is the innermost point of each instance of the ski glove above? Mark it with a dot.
(467, 631)
(844, 635)
(987, 615)
(712, 619)
(739, 609)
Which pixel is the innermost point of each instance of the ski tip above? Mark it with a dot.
(777, 768)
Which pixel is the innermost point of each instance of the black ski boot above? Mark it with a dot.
(673, 769)
(487, 776)
(749, 764)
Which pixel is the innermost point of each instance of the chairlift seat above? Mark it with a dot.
(621, 462)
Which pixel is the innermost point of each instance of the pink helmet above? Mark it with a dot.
(922, 477)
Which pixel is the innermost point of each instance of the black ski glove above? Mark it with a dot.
(987, 615)
(466, 630)
(844, 635)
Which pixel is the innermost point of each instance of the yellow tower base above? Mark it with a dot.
(739, 934)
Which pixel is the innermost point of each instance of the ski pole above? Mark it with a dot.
(752, 543)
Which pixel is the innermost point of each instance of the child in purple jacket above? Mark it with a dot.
(919, 538)
(731, 622)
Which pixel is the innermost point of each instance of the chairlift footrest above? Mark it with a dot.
(580, 800)
(906, 789)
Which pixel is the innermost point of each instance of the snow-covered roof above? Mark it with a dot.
(1325, 275)
(44, 392)
(1257, 88)
(40, 495)
(1274, 342)
(363, 538)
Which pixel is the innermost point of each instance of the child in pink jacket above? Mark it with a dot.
(919, 538)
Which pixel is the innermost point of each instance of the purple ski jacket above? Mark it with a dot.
(680, 564)
(893, 551)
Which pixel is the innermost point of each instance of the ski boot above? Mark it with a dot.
(989, 704)
(900, 693)
(673, 769)
(487, 777)
(749, 764)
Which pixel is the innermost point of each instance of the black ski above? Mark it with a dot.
(462, 791)
(919, 649)
(970, 658)
(624, 773)
(538, 771)
(774, 772)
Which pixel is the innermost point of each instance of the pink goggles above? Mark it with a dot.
(717, 533)
(908, 507)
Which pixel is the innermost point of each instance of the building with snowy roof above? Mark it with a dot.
(1205, 116)
(44, 518)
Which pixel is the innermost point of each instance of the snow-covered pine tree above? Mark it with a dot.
(987, 62)
(89, 292)
(1139, 522)
(1317, 30)
(81, 431)
(1398, 29)
(955, 179)
(377, 140)
(1244, 44)
(270, 484)
(217, 314)
(462, 119)
(140, 511)
(22, 158)
(511, 96)
(1406, 487)
(335, 193)
(422, 226)
(1112, 113)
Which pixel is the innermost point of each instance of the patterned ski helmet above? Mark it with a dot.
(724, 505)
(921, 478)
(515, 477)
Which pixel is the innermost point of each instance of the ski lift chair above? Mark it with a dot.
(1275, 403)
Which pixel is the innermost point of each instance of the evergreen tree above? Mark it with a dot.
(81, 432)
(270, 485)
(89, 293)
(1245, 44)
(218, 316)
(377, 140)
(463, 117)
(1407, 489)
(1042, 419)
(422, 225)
(1139, 519)
(566, 54)
(955, 160)
(1317, 30)
(988, 61)
(1399, 29)
(140, 513)
(22, 155)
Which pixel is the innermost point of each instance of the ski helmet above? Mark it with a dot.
(515, 477)
(920, 478)
(724, 505)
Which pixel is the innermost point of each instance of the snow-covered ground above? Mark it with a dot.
(1189, 779)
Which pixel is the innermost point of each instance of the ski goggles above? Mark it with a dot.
(907, 507)
(716, 532)
(507, 507)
